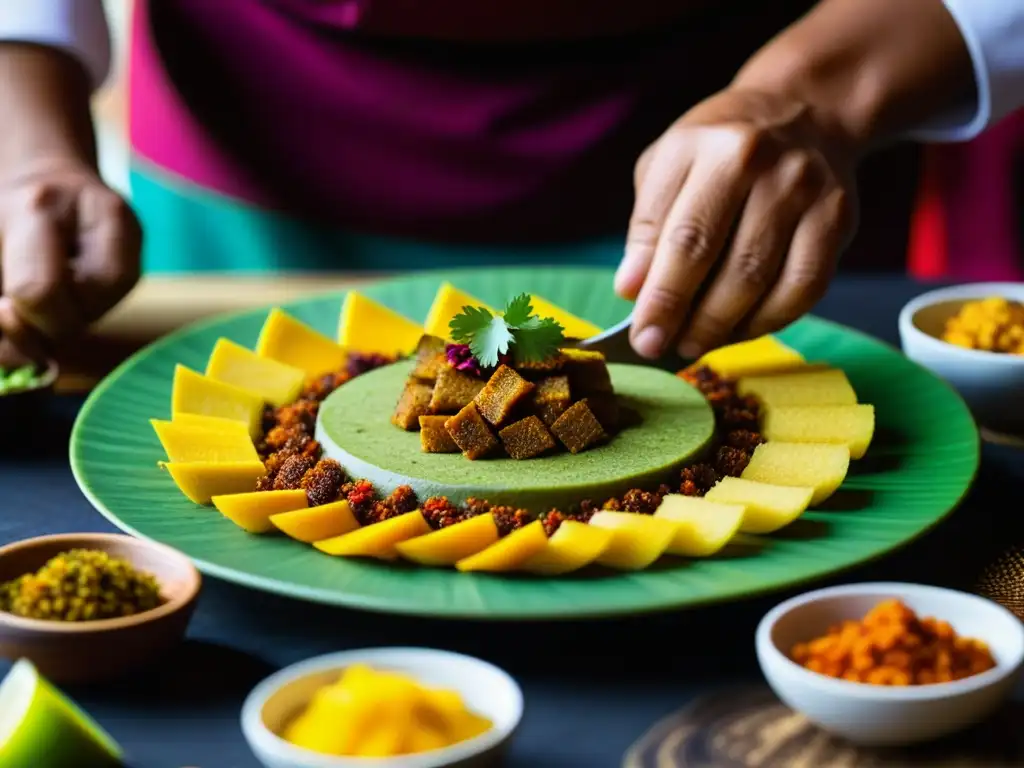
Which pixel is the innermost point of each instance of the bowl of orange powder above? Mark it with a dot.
(887, 664)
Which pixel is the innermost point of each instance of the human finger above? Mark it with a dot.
(660, 173)
(813, 257)
(110, 240)
(19, 342)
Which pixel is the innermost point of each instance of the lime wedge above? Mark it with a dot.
(40, 726)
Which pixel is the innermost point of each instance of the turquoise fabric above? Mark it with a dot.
(188, 229)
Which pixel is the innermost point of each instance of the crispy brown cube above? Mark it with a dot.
(434, 438)
(605, 406)
(526, 438)
(471, 433)
(454, 390)
(430, 358)
(534, 370)
(549, 412)
(551, 397)
(587, 371)
(500, 395)
(413, 403)
(578, 428)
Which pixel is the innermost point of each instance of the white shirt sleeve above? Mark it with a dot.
(994, 33)
(77, 27)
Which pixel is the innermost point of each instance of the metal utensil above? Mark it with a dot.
(614, 344)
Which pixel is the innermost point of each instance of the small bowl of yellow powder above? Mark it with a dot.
(973, 337)
(90, 607)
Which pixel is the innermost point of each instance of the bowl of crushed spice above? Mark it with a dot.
(972, 336)
(888, 664)
(89, 607)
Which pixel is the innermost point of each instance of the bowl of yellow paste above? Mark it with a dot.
(385, 708)
(972, 336)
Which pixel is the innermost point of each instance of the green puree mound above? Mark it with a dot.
(676, 422)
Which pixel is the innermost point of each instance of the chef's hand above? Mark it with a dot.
(742, 209)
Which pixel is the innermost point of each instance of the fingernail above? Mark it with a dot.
(649, 341)
(691, 349)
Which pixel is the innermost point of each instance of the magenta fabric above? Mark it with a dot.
(320, 109)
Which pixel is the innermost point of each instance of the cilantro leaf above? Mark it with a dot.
(538, 341)
(519, 311)
(470, 321)
(491, 342)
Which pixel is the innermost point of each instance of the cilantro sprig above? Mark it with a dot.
(530, 338)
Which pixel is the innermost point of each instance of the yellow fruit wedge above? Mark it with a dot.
(212, 423)
(509, 552)
(573, 327)
(195, 393)
(252, 511)
(849, 425)
(762, 355)
(200, 481)
(817, 387)
(276, 383)
(377, 540)
(183, 442)
(573, 546)
(448, 302)
(289, 341)
(768, 507)
(820, 466)
(702, 527)
(449, 545)
(316, 523)
(371, 328)
(637, 540)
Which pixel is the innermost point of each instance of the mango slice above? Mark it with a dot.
(211, 423)
(252, 511)
(820, 466)
(200, 481)
(827, 386)
(195, 393)
(316, 523)
(509, 552)
(182, 442)
(702, 527)
(573, 546)
(276, 383)
(448, 302)
(377, 540)
(371, 328)
(849, 425)
(763, 355)
(573, 327)
(768, 507)
(449, 545)
(289, 341)
(637, 540)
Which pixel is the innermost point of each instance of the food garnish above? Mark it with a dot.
(892, 646)
(18, 379)
(81, 585)
(530, 338)
(376, 713)
(994, 324)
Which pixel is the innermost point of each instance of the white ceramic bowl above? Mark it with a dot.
(486, 689)
(991, 383)
(881, 715)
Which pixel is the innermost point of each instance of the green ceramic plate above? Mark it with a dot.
(923, 461)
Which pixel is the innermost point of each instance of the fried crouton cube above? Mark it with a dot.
(470, 432)
(605, 406)
(434, 438)
(587, 371)
(503, 391)
(540, 368)
(454, 390)
(551, 397)
(578, 428)
(430, 358)
(413, 403)
(526, 438)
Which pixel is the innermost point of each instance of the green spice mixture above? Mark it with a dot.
(81, 585)
(25, 377)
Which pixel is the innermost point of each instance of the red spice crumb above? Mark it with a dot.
(612, 505)
(323, 481)
(697, 479)
(509, 519)
(744, 439)
(359, 363)
(440, 512)
(360, 497)
(403, 499)
(551, 520)
(474, 507)
(730, 462)
(641, 502)
(289, 476)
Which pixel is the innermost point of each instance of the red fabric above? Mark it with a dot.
(927, 257)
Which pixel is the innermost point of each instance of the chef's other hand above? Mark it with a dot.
(742, 209)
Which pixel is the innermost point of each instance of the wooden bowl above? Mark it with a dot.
(95, 651)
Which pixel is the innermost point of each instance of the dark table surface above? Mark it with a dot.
(591, 688)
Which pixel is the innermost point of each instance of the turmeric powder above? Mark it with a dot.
(994, 324)
(892, 646)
